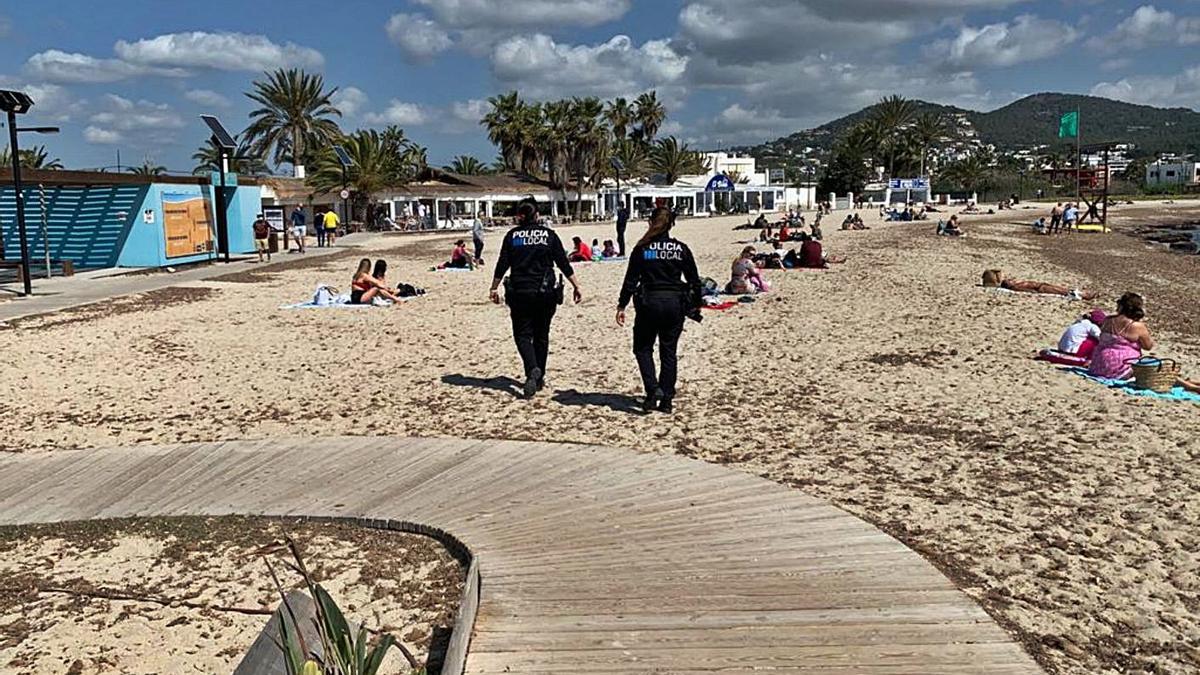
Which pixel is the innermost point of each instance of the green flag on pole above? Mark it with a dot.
(1068, 125)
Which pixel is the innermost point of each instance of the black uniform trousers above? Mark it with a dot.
(478, 248)
(659, 317)
(531, 317)
(621, 238)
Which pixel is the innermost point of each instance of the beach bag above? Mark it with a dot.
(324, 296)
(1157, 375)
(709, 287)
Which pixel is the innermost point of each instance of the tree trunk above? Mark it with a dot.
(579, 198)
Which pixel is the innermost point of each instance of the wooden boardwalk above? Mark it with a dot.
(593, 560)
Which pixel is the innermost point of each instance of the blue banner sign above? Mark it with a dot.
(719, 183)
(919, 184)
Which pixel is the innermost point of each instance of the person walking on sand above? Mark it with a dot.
(330, 223)
(664, 284)
(1056, 214)
(262, 238)
(532, 251)
(299, 227)
(1070, 217)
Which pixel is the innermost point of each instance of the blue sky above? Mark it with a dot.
(132, 75)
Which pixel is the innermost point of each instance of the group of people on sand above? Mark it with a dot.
(583, 252)
(369, 285)
(1111, 344)
(854, 221)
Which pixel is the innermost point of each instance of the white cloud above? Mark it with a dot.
(1027, 38)
(470, 111)
(207, 97)
(1148, 26)
(51, 102)
(781, 30)
(222, 51)
(541, 67)
(100, 136)
(524, 14)
(1182, 89)
(350, 100)
(399, 113)
(54, 65)
(126, 115)
(418, 37)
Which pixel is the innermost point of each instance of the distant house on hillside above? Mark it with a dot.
(1161, 174)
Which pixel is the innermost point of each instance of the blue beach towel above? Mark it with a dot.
(1127, 386)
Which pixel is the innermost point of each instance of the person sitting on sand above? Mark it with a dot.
(610, 250)
(1080, 338)
(745, 277)
(994, 279)
(581, 253)
(1123, 338)
(365, 286)
(597, 253)
(785, 234)
(1040, 227)
(950, 228)
(459, 258)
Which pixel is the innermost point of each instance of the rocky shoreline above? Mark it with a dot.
(1181, 237)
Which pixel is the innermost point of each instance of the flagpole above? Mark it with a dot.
(1079, 155)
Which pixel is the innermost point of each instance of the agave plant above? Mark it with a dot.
(343, 651)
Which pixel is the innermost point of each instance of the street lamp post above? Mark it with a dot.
(16, 103)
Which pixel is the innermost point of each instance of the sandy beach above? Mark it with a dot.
(891, 385)
(193, 591)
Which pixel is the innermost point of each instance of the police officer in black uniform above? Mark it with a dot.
(532, 251)
(663, 282)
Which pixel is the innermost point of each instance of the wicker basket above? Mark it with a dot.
(1158, 375)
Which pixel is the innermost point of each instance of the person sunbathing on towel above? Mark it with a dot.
(994, 279)
(366, 286)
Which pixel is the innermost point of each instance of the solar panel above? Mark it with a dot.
(221, 136)
(15, 101)
(343, 156)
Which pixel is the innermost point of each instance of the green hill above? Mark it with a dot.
(1033, 121)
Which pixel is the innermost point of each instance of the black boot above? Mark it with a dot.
(531, 383)
(651, 401)
(665, 406)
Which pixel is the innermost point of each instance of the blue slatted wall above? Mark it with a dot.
(86, 224)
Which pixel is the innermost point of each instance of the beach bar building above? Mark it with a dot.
(448, 198)
(100, 220)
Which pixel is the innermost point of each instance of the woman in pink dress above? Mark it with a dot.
(1123, 337)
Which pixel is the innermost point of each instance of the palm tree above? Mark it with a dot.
(894, 114)
(296, 115)
(619, 115)
(649, 114)
(930, 130)
(147, 170)
(512, 126)
(589, 142)
(35, 158)
(243, 161)
(632, 155)
(466, 165)
(670, 159)
(736, 176)
(554, 136)
(376, 166)
(972, 174)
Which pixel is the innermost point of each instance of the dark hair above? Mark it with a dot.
(364, 266)
(380, 269)
(1132, 306)
(460, 242)
(527, 211)
(662, 219)
(577, 240)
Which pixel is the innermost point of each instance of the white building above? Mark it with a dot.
(1173, 173)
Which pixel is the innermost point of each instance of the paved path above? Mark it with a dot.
(59, 293)
(593, 560)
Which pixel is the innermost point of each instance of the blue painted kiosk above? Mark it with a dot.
(99, 220)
